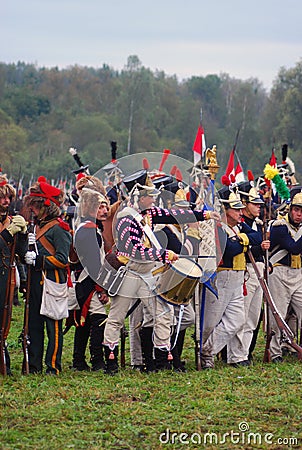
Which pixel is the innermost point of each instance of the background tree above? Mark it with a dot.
(44, 111)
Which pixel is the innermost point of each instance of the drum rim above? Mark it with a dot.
(187, 276)
(162, 298)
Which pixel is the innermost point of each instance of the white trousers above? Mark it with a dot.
(225, 313)
(135, 324)
(239, 345)
(285, 285)
(157, 313)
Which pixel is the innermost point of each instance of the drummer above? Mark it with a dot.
(139, 251)
(183, 239)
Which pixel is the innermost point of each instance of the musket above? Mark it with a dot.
(24, 337)
(287, 335)
(7, 310)
(17, 190)
(266, 322)
(82, 168)
(197, 327)
(269, 331)
(124, 334)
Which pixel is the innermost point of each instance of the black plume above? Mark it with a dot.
(113, 150)
(284, 152)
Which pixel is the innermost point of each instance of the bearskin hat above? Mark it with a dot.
(6, 189)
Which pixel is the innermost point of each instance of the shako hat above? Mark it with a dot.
(296, 196)
(230, 198)
(249, 193)
(162, 182)
(141, 181)
(180, 199)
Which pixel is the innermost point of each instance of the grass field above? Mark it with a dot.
(226, 408)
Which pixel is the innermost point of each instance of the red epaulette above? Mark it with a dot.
(90, 225)
(63, 224)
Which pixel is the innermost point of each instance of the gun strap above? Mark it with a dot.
(43, 240)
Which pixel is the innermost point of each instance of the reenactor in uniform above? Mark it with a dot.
(13, 238)
(92, 211)
(224, 315)
(184, 240)
(134, 236)
(240, 344)
(52, 241)
(285, 281)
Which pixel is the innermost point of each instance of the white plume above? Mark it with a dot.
(73, 151)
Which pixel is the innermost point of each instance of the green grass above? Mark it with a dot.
(139, 411)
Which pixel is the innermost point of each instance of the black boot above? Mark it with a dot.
(96, 338)
(7, 361)
(16, 298)
(162, 359)
(81, 337)
(178, 365)
(223, 355)
(111, 357)
(147, 348)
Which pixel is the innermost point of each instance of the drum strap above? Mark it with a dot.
(181, 312)
(146, 227)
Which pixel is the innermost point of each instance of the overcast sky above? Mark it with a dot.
(181, 37)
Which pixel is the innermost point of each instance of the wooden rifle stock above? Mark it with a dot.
(286, 333)
(7, 310)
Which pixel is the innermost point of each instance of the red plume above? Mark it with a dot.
(225, 180)
(146, 164)
(80, 175)
(178, 175)
(164, 158)
(173, 170)
(250, 175)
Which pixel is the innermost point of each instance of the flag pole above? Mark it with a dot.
(199, 145)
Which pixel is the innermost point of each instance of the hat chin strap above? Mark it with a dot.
(3, 216)
(41, 213)
(135, 189)
(3, 212)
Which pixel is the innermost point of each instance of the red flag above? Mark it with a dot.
(239, 175)
(273, 160)
(199, 146)
(230, 166)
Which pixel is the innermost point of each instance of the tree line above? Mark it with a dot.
(44, 111)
